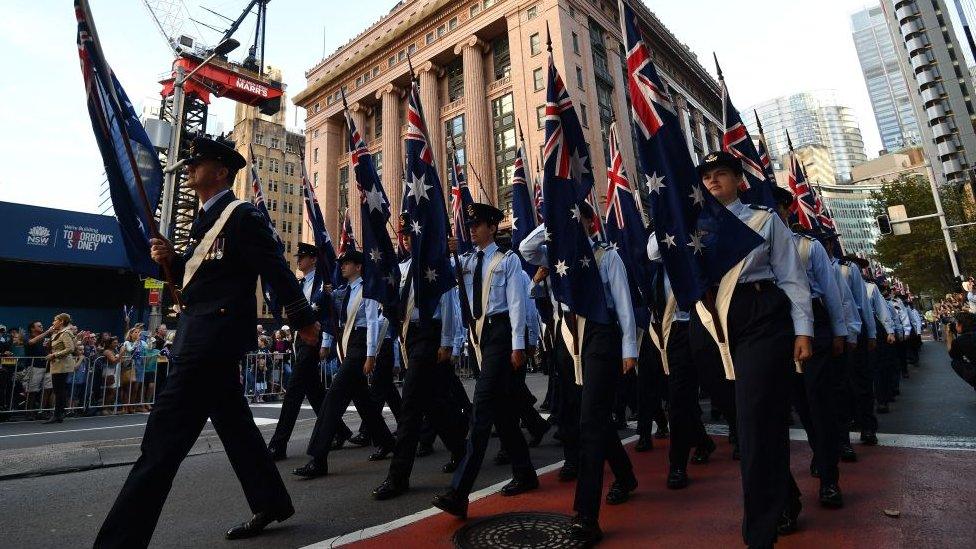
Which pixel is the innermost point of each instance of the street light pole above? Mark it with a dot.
(950, 247)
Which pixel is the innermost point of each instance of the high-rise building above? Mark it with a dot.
(932, 59)
(852, 208)
(482, 66)
(812, 118)
(889, 94)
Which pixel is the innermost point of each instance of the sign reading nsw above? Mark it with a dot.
(59, 236)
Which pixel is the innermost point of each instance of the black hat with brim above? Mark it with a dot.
(219, 149)
(477, 212)
(355, 256)
(306, 249)
(782, 197)
(719, 159)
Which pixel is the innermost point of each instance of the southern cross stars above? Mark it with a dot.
(418, 188)
(655, 183)
(415, 227)
(375, 255)
(585, 262)
(375, 200)
(668, 240)
(579, 163)
(561, 268)
(696, 195)
(430, 274)
(696, 241)
(574, 212)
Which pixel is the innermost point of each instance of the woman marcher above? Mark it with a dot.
(61, 361)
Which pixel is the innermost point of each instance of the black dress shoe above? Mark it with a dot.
(868, 438)
(277, 453)
(312, 469)
(847, 454)
(620, 491)
(501, 458)
(644, 443)
(424, 450)
(359, 439)
(662, 431)
(339, 441)
(789, 521)
(703, 452)
(677, 478)
(568, 472)
(520, 486)
(585, 529)
(390, 489)
(451, 465)
(452, 503)
(883, 409)
(830, 497)
(381, 454)
(257, 524)
(538, 435)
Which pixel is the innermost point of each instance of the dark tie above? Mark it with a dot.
(345, 306)
(404, 295)
(476, 306)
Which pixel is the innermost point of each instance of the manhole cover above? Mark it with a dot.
(517, 530)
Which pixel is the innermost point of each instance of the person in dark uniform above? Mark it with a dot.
(232, 244)
(426, 387)
(357, 348)
(497, 296)
(769, 328)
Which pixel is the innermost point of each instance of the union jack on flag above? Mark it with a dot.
(460, 198)
(803, 209)
(557, 103)
(347, 239)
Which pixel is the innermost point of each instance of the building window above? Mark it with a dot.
(475, 10)
(260, 162)
(378, 121)
(289, 168)
(455, 80)
(604, 99)
(378, 162)
(411, 49)
(503, 125)
(489, 3)
(535, 44)
(502, 58)
(540, 116)
(441, 31)
(343, 187)
(579, 77)
(391, 61)
(376, 72)
(429, 39)
(315, 155)
(259, 139)
(315, 133)
(583, 118)
(317, 108)
(359, 81)
(537, 80)
(452, 24)
(275, 143)
(532, 13)
(454, 137)
(576, 44)
(315, 180)
(273, 165)
(401, 55)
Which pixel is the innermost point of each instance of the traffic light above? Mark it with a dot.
(884, 224)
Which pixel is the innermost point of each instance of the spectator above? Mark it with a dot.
(970, 286)
(35, 365)
(133, 371)
(282, 349)
(4, 341)
(78, 381)
(8, 370)
(111, 373)
(62, 362)
(161, 344)
(963, 349)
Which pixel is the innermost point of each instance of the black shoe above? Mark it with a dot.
(424, 450)
(847, 454)
(452, 503)
(568, 472)
(277, 453)
(339, 441)
(382, 453)
(390, 489)
(677, 478)
(703, 452)
(830, 497)
(538, 435)
(585, 529)
(451, 465)
(257, 524)
(312, 469)
(54, 419)
(787, 523)
(882, 409)
(736, 455)
(620, 491)
(814, 472)
(501, 458)
(868, 438)
(662, 429)
(644, 444)
(359, 439)
(520, 486)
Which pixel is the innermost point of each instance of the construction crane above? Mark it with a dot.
(243, 82)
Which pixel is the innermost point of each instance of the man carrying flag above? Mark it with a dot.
(460, 199)
(760, 315)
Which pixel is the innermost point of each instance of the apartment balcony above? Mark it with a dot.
(911, 26)
(931, 95)
(919, 62)
(951, 166)
(905, 11)
(936, 111)
(925, 77)
(916, 44)
(947, 148)
(941, 130)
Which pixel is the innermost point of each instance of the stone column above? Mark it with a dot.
(359, 114)
(430, 100)
(327, 191)
(477, 128)
(685, 118)
(715, 137)
(699, 129)
(392, 96)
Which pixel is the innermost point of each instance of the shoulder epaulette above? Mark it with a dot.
(509, 252)
(761, 207)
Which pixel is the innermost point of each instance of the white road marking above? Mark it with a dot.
(259, 421)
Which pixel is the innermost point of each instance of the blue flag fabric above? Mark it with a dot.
(626, 233)
(117, 130)
(381, 271)
(523, 209)
(460, 198)
(257, 194)
(758, 188)
(325, 264)
(700, 239)
(568, 179)
(431, 270)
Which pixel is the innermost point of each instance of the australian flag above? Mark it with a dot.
(537, 197)
(625, 232)
(699, 238)
(347, 239)
(567, 181)
(431, 270)
(381, 271)
(270, 299)
(460, 198)
(763, 149)
(523, 210)
(804, 207)
(133, 180)
(758, 189)
(325, 264)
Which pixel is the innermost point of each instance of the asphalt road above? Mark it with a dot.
(66, 510)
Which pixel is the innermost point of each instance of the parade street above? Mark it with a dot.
(922, 469)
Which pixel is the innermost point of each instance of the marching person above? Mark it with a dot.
(231, 245)
(608, 351)
(357, 349)
(883, 364)
(859, 380)
(497, 296)
(770, 325)
(306, 377)
(427, 382)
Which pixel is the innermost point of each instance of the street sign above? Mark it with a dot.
(153, 284)
(154, 297)
(896, 214)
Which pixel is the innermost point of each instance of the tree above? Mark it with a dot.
(920, 259)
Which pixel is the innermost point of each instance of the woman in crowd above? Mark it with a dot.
(61, 361)
(111, 372)
(132, 371)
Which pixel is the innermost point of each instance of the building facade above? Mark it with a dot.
(932, 60)
(812, 118)
(482, 69)
(890, 98)
(852, 208)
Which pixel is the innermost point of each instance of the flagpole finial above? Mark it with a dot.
(413, 76)
(548, 39)
(718, 67)
(758, 123)
(345, 104)
(789, 142)
(521, 136)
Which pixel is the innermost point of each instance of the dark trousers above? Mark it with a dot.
(599, 442)
(570, 395)
(711, 374)
(651, 387)
(884, 368)
(760, 330)
(426, 393)
(305, 381)
(349, 385)
(857, 390)
(59, 386)
(382, 390)
(687, 429)
(496, 397)
(813, 398)
(193, 393)
(527, 414)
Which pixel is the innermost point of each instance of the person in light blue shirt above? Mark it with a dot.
(883, 356)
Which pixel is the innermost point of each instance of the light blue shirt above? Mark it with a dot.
(777, 259)
(213, 199)
(531, 313)
(823, 284)
(895, 320)
(368, 316)
(448, 311)
(851, 315)
(880, 307)
(654, 254)
(916, 320)
(507, 293)
(861, 301)
(308, 281)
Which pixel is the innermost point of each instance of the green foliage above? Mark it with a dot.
(920, 259)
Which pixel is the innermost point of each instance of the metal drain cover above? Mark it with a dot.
(517, 531)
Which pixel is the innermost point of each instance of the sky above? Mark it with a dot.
(767, 48)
